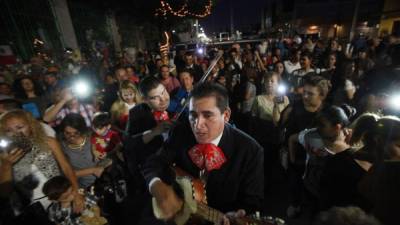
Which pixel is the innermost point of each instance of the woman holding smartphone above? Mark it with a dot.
(266, 111)
(269, 105)
(31, 159)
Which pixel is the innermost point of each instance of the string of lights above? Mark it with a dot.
(183, 11)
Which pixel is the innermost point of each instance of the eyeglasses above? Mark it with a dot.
(72, 134)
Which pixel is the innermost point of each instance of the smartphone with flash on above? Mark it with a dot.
(9, 143)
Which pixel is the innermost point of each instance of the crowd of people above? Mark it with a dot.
(94, 143)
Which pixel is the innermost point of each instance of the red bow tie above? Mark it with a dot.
(160, 116)
(207, 156)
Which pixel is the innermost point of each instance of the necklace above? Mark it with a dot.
(77, 146)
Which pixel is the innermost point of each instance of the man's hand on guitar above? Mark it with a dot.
(225, 220)
(162, 127)
(167, 200)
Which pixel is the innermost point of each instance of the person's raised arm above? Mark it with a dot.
(51, 113)
(258, 59)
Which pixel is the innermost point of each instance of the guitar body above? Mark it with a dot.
(190, 202)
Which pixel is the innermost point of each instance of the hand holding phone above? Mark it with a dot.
(8, 144)
(279, 99)
(9, 158)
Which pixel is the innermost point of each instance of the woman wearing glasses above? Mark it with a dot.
(75, 142)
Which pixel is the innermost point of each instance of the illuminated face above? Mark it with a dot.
(279, 68)
(128, 95)
(332, 60)
(130, 71)
(73, 103)
(27, 84)
(158, 98)
(204, 66)
(189, 60)
(50, 79)
(362, 55)
(311, 96)
(5, 89)
(186, 80)
(221, 64)
(334, 45)
(16, 127)
(164, 71)
(278, 52)
(121, 75)
(271, 84)
(206, 119)
(72, 135)
(305, 62)
(222, 80)
(214, 70)
(159, 63)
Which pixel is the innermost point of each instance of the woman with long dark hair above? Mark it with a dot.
(31, 95)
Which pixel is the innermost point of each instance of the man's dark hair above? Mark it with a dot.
(335, 115)
(53, 73)
(184, 70)
(321, 83)
(212, 90)
(75, 121)
(294, 51)
(164, 65)
(232, 50)
(129, 66)
(148, 84)
(188, 54)
(55, 187)
(101, 120)
(307, 54)
(118, 67)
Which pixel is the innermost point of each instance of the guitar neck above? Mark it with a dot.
(214, 216)
(208, 213)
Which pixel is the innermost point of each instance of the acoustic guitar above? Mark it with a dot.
(195, 206)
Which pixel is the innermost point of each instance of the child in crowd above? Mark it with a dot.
(103, 139)
(59, 190)
(129, 97)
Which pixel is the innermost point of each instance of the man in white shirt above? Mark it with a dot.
(294, 62)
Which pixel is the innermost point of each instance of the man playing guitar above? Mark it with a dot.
(228, 160)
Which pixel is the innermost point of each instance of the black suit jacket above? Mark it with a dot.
(196, 71)
(238, 184)
(110, 96)
(136, 151)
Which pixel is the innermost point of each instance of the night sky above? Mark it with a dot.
(245, 12)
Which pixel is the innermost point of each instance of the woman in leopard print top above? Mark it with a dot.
(33, 160)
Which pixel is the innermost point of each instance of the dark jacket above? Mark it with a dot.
(238, 184)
